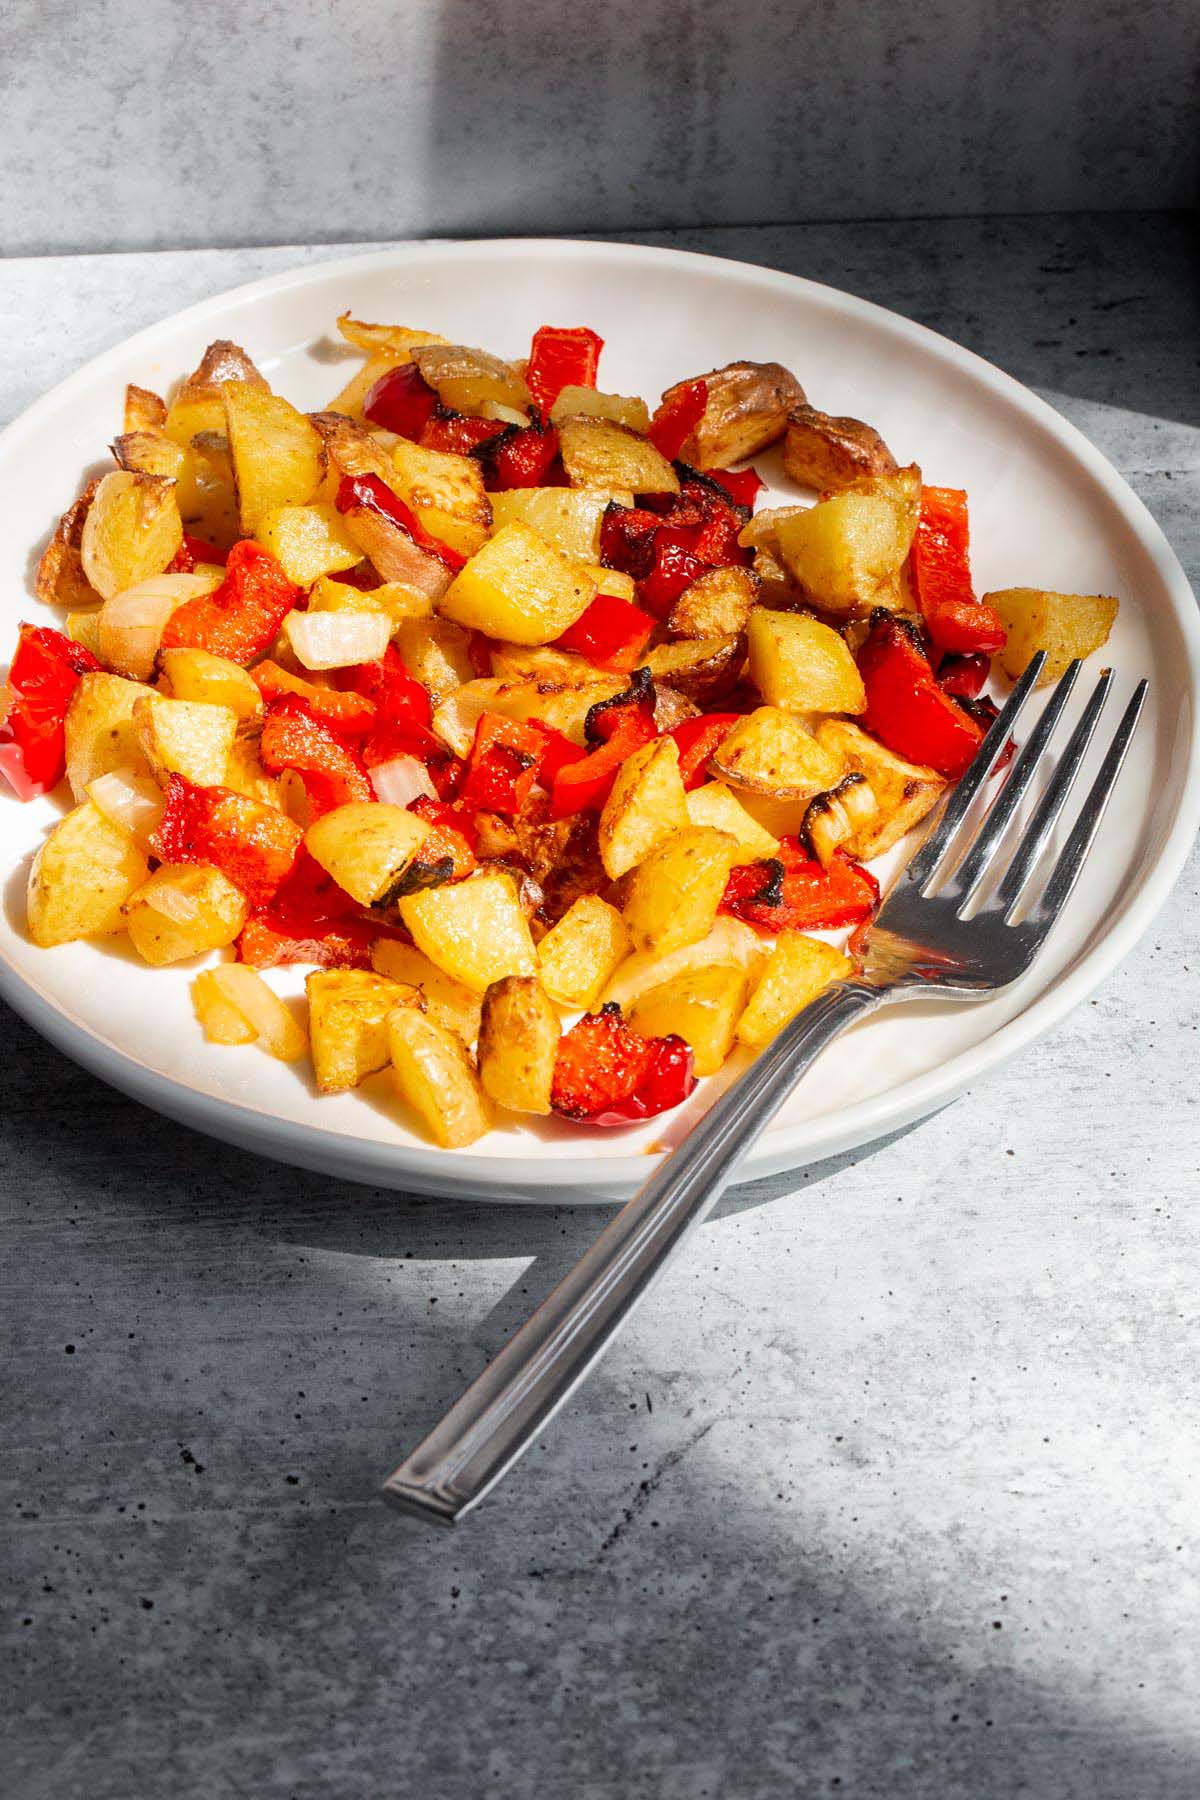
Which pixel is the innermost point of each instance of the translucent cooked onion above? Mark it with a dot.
(262, 1008)
(132, 801)
(338, 640)
(730, 942)
(130, 625)
(401, 780)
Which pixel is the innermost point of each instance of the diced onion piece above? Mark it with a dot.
(222, 1021)
(402, 780)
(262, 1008)
(454, 721)
(337, 640)
(130, 626)
(173, 903)
(730, 943)
(134, 802)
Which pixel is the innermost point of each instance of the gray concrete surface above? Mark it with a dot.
(889, 1491)
(163, 124)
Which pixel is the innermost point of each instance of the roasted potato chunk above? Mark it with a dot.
(646, 805)
(81, 878)
(391, 598)
(672, 896)
(771, 753)
(185, 737)
(432, 1072)
(100, 731)
(715, 804)
(562, 703)
(582, 952)
(717, 605)
(308, 542)
(144, 410)
(447, 1002)
(213, 680)
(446, 492)
(701, 1005)
(797, 970)
(567, 518)
(197, 405)
(348, 1012)
(730, 942)
(1065, 626)
(702, 669)
(278, 455)
(367, 847)
(518, 587)
(748, 407)
(518, 1043)
(846, 553)
(183, 910)
(132, 530)
(586, 403)
(468, 380)
(597, 453)
(350, 450)
(904, 792)
(801, 665)
(831, 454)
(61, 580)
(436, 652)
(475, 929)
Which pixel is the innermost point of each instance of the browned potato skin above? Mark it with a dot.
(518, 1043)
(60, 579)
(225, 361)
(349, 448)
(702, 669)
(830, 454)
(748, 407)
(719, 604)
(144, 410)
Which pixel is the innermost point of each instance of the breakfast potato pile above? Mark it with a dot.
(489, 696)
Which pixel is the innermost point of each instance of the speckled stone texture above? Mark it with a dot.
(888, 1491)
(163, 124)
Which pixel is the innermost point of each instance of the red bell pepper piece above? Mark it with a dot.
(742, 485)
(349, 714)
(253, 844)
(963, 677)
(675, 568)
(608, 1074)
(610, 633)
(46, 669)
(373, 492)
(618, 727)
(698, 741)
(502, 766)
(941, 571)
(294, 738)
(241, 618)
(627, 539)
(193, 550)
(561, 356)
(452, 837)
(557, 752)
(310, 919)
(521, 456)
(456, 433)
(401, 401)
(676, 419)
(793, 892)
(389, 686)
(906, 708)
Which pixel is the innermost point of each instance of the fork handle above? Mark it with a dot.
(505, 1407)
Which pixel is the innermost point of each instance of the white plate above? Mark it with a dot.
(1046, 509)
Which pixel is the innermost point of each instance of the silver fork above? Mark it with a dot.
(924, 942)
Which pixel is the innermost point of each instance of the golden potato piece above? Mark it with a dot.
(81, 878)
(197, 405)
(185, 737)
(583, 951)
(519, 588)
(392, 598)
(646, 805)
(567, 518)
(801, 665)
(904, 792)
(367, 846)
(701, 1005)
(1065, 626)
(831, 454)
(348, 1013)
(717, 605)
(278, 455)
(518, 1044)
(797, 970)
(437, 652)
(598, 453)
(672, 897)
(214, 680)
(244, 773)
(715, 804)
(60, 579)
(729, 943)
(562, 702)
(144, 409)
(432, 1072)
(469, 380)
(100, 731)
(447, 1002)
(747, 409)
(350, 450)
(701, 669)
(772, 753)
(183, 910)
(132, 530)
(846, 553)
(583, 402)
(446, 492)
(475, 929)
(308, 542)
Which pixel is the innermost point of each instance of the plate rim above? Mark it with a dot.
(464, 1171)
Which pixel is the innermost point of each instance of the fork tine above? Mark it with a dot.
(934, 848)
(1075, 850)
(1037, 833)
(974, 866)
